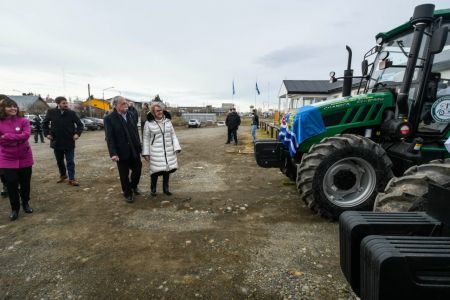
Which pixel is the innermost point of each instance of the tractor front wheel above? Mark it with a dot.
(344, 172)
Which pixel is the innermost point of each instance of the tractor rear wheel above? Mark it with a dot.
(344, 172)
(406, 193)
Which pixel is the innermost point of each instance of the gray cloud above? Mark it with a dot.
(288, 55)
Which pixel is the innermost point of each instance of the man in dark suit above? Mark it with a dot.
(124, 146)
(63, 127)
(233, 121)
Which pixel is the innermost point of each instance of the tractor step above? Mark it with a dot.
(405, 267)
(356, 225)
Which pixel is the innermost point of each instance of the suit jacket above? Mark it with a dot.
(122, 137)
(233, 120)
(62, 127)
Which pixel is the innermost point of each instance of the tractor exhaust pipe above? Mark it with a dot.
(423, 15)
(348, 75)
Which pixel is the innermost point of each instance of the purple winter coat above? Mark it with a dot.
(15, 151)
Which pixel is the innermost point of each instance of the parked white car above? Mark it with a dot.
(194, 123)
(220, 123)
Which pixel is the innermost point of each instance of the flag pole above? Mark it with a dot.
(232, 92)
(256, 82)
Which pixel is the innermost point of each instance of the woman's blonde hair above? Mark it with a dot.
(153, 104)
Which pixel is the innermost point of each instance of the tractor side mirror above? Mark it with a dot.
(438, 40)
(332, 77)
(364, 67)
(384, 61)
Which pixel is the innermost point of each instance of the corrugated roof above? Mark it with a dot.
(310, 86)
(25, 101)
(315, 86)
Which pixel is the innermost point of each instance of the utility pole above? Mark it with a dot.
(89, 100)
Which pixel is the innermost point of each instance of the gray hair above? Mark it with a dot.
(116, 99)
(157, 103)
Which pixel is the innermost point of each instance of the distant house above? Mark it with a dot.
(31, 104)
(298, 93)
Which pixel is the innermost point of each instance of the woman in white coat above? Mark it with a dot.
(160, 146)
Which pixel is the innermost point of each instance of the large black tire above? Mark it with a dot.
(406, 193)
(341, 173)
(288, 168)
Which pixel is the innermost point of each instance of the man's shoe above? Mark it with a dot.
(62, 178)
(167, 193)
(136, 191)
(14, 215)
(4, 193)
(27, 209)
(73, 182)
(153, 193)
(129, 198)
(227, 143)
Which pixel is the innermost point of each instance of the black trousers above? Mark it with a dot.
(38, 134)
(232, 132)
(18, 184)
(129, 182)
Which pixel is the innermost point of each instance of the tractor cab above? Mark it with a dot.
(425, 79)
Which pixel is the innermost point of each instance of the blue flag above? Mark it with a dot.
(234, 91)
(257, 89)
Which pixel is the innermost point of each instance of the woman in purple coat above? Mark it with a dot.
(16, 158)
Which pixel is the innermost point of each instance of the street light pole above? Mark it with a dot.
(111, 87)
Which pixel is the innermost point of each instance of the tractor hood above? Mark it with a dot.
(338, 115)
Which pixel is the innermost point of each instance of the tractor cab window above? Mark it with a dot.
(435, 115)
(392, 77)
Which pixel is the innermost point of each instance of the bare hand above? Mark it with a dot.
(115, 158)
(146, 157)
(178, 151)
(75, 137)
(49, 137)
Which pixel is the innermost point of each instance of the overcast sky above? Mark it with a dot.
(187, 51)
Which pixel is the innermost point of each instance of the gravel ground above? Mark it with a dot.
(231, 230)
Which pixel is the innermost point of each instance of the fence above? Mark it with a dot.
(270, 129)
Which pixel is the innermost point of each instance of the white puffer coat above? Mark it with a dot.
(161, 143)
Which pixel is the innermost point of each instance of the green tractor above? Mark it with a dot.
(343, 152)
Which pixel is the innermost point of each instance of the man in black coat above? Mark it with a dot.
(38, 129)
(63, 127)
(133, 111)
(124, 146)
(233, 121)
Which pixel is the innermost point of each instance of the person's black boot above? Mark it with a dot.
(26, 208)
(14, 215)
(166, 184)
(154, 181)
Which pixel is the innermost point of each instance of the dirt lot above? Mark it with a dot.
(231, 230)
